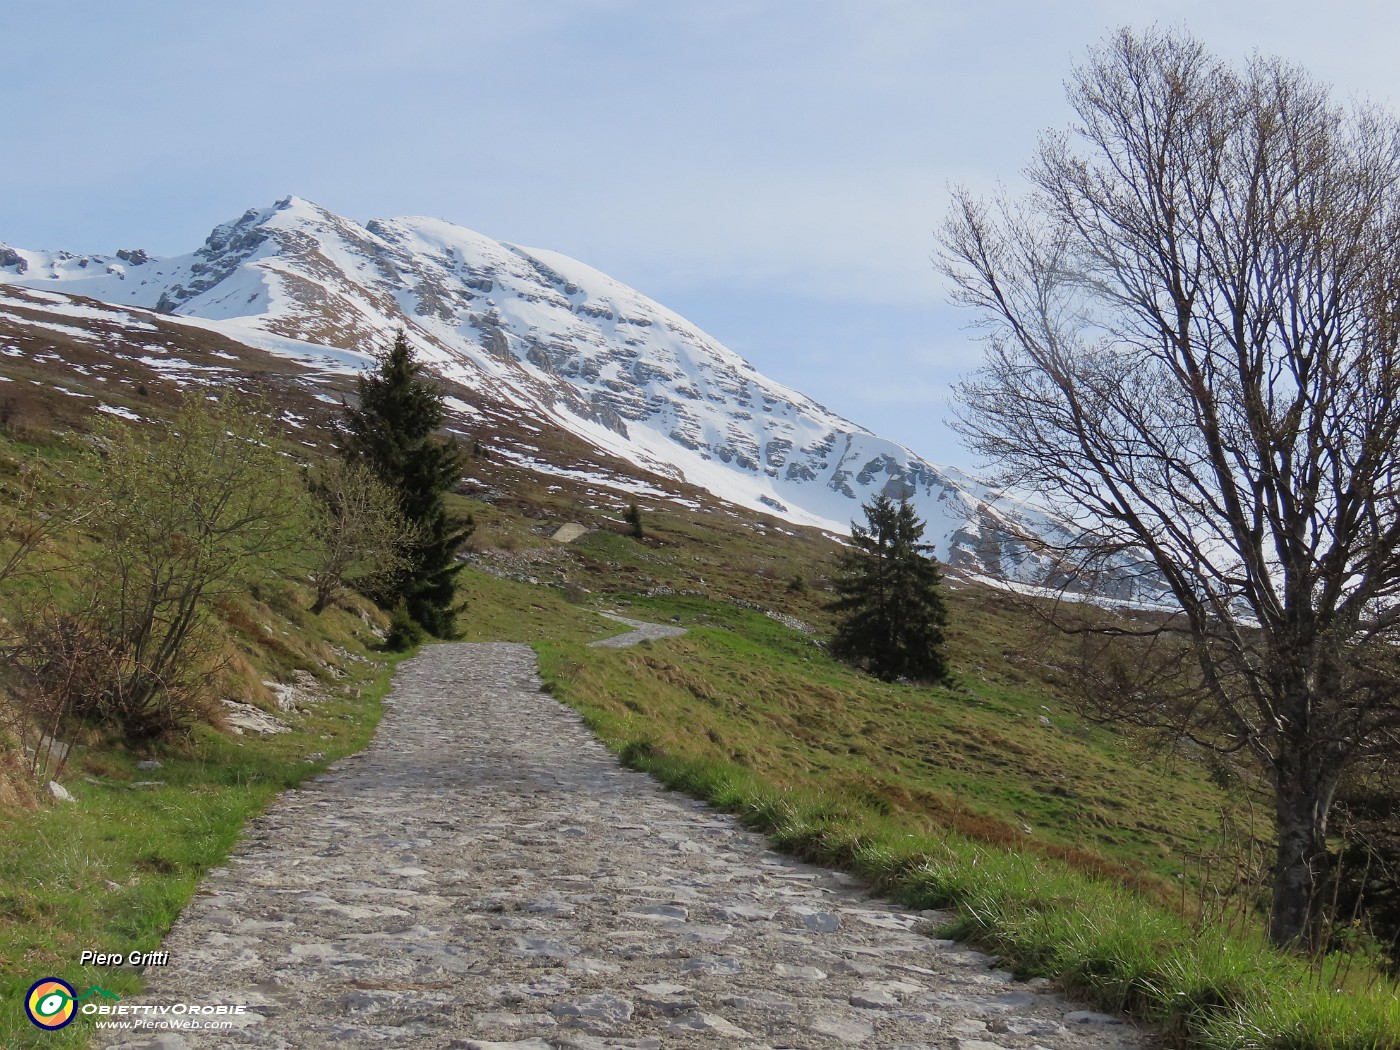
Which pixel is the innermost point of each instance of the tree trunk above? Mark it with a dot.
(1296, 918)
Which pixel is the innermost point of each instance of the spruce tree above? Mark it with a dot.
(887, 592)
(391, 431)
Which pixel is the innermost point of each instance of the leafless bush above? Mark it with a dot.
(194, 511)
(61, 662)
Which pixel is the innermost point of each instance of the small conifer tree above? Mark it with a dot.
(887, 592)
(391, 431)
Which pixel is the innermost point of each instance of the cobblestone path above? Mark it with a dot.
(485, 875)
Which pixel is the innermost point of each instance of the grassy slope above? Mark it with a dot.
(918, 790)
(742, 688)
(979, 756)
(926, 792)
(111, 871)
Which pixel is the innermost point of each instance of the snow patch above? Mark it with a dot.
(117, 410)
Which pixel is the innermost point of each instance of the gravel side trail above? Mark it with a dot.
(641, 632)
(486, 876)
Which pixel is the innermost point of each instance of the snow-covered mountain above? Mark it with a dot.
(560, 341)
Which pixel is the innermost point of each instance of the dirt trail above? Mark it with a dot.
(486, 876)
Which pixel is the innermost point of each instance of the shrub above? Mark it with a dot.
(358, 535)
(404, 631)
(192, 510)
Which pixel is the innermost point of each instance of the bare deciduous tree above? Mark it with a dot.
(1192, 351)
(359, 535)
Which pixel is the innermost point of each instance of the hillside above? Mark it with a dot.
(986, 761)
(983, 757)
(995, 765)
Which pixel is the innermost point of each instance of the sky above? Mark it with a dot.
(774, 170)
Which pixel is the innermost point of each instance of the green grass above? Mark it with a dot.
(978, 758)
(927, 793)
(507, 610)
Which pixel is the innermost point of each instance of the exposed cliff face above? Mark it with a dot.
(562, 342)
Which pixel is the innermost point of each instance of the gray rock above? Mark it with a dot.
(714, 964)
(1090, 1017)
(818, 921)
(839, 1028)
(241, 718)
(57, 749)
(585, 965)
(742, 913)
(799, 972)
(670, 1006)
(498, 1019)
(542, 948)
(862, 969)
(568, 532)
(601, 1007)
(707, 1024)
(931, 1021)
(766, 1002)
(1035, 1027)
(874, 999)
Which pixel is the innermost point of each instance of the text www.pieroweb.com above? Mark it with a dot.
(184, 1017)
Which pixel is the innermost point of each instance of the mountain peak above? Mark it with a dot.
(561, 341)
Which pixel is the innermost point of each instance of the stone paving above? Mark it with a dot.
(486, 876)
